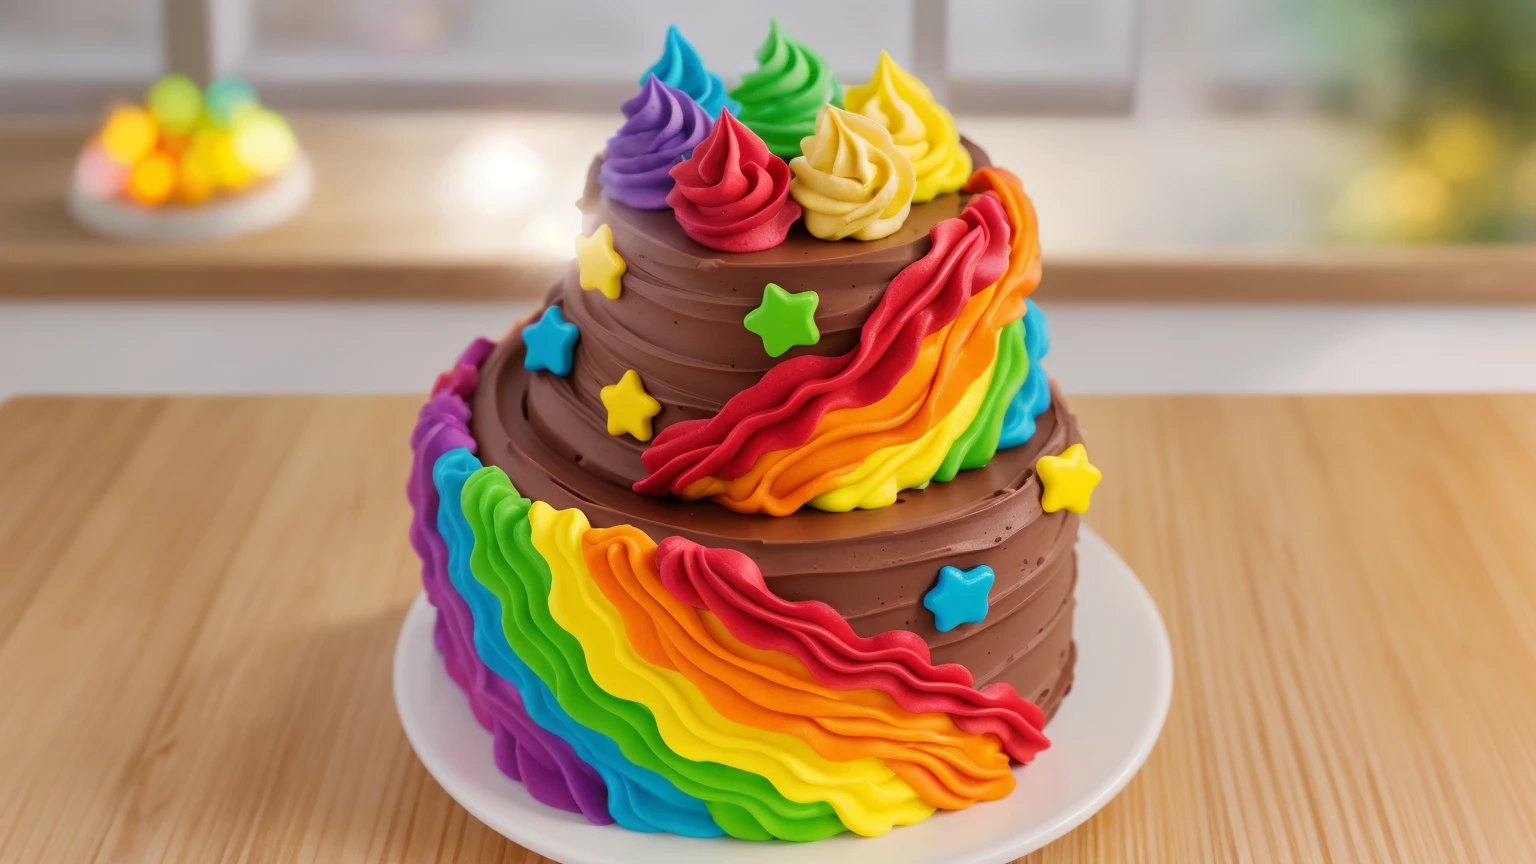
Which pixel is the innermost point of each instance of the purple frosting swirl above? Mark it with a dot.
(524, 751)
(662, 126)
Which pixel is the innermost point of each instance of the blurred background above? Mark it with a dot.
(1243, 157)
(1415, 117)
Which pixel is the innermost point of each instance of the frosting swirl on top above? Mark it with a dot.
(853, 181)
(732, 194)
(661, 128)
(920, 126)
(781, 98)
(681, 67)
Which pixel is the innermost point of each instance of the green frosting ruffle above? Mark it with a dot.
(978, 443)
(507, 563)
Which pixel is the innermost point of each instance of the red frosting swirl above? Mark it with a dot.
(732, 194)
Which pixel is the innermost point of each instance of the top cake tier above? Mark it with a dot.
(827, 331)
(678, 319)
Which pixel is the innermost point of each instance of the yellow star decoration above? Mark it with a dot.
(600, 266)
(630, 408)
(1068, 480)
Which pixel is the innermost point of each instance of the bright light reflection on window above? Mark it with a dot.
(495, 174)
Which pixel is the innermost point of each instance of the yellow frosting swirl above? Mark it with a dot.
(853, 181)
(904, 106)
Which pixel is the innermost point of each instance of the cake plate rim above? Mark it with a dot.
(1106, 727)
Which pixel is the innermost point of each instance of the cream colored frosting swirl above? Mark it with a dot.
(920, 126)
(853, 180)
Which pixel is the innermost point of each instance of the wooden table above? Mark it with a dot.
(199, 600)
(478, 205)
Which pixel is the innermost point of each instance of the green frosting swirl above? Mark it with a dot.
(780, 100)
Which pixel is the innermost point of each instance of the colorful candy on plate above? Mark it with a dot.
(186, 146)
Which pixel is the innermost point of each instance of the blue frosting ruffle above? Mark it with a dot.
(639, 799)
(1034, 395)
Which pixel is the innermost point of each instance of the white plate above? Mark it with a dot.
(1102, 734)
(254, 211)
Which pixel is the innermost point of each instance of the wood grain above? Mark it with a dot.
(394, 217)
(199, 600)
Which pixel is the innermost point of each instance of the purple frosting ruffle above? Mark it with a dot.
(524, 751)
(662, 126)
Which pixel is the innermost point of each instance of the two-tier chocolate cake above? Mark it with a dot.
(763, 526)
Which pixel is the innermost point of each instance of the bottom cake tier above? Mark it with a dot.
(674, 666)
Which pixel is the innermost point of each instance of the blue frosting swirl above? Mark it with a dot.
(680, 66)
(1034, 395)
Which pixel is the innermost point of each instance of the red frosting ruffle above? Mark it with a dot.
(732, 194)
(896, 662)
(782, 409)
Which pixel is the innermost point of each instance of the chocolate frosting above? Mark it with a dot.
(872, 566)
(678, 324)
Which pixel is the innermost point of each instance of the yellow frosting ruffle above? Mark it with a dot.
(883, 474)
(920, 126)
(853, 181)
(865, 793)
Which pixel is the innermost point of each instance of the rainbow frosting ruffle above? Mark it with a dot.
(925, 394)
(664, 687)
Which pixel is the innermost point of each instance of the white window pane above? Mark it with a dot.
(79, 39)
(1260, 43)
(566, 42)
(1074, 42)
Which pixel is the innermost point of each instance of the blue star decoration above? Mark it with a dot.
(549, 343)
(960, 597)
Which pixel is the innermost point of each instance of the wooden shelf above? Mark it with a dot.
(382, 224)
(406, 208)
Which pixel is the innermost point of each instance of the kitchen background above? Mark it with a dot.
(1240, 134)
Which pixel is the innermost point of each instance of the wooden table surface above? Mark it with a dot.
(478, 205)
(199, 600)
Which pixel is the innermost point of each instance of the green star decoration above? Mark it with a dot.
(785, 320)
